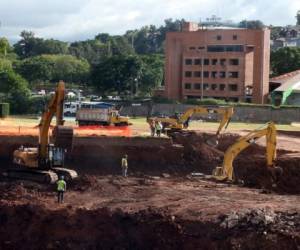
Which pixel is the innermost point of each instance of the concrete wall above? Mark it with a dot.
(241, 114)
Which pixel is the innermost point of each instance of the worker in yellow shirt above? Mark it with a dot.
(61, 188)
(124, 165)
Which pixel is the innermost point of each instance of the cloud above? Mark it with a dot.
(82, 19)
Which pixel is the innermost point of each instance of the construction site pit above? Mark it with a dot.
(168, 201)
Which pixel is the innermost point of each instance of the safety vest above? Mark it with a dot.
(124, 163)
(61, 185)
(158, 126)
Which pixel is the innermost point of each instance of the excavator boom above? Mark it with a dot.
(268, 130)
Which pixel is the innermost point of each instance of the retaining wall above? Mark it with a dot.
(241, 114)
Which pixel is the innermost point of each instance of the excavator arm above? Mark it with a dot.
(269, 130)
(55, 107)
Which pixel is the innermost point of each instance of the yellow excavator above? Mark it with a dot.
(178, 123)
(226, 173)
(45, 163)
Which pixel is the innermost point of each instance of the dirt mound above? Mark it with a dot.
(34, 227)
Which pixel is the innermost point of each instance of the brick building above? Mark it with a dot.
(222, 63)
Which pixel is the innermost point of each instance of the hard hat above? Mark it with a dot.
(62, 177)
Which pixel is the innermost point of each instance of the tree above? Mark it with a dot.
(251, 24)
(298, 17)
(151, 74)
(285, 60)
(70, 69)
(38, 68)
(5, 65)
(117, 73)
(29, 45)
(54, 68)
(4, 46)
(16, 91)
(91, 50)
(276, 32)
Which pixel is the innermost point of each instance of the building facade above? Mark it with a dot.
(231, 64)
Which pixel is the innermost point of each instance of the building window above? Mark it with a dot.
(197, 61)
(222, 74)
(197, 86)
(206, 74)
(197, 73)
(188, 61)
(219, 37)
(223, 62)
(224, 48)
(206, 86)
(214, 86)
(188, 73)
(234, 61)
(233, 87)
(214, 61)
(206, 61)
(234, 37)
(214, 74)
(234, 48)
(222, 86)
(233, 74)
(187, 85)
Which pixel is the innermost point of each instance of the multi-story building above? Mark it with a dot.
(222, 63)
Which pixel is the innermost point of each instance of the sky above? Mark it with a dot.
(73, 20)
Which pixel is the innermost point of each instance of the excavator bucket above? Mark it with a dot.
(218, 175)
(63, 137)
(212, 141)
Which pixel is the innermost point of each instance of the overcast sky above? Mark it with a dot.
(71, 20)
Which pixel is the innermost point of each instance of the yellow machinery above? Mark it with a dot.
(269, 130)
(45, 162)
(182, 122)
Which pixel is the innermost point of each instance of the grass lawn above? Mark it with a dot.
(140, 124)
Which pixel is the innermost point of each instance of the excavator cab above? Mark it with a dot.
(56, 156)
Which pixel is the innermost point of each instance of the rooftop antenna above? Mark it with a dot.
(213, 20)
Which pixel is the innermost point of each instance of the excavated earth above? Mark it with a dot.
(161, 205)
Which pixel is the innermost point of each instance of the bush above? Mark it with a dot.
(207, 101)
(4, 110)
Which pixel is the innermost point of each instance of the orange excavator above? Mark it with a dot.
(45, 163)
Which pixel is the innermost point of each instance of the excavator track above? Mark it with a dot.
(69, 174)
(42, 176)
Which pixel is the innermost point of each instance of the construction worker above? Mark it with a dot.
(158, 128)
(152, 128)
(61, 188)
(124, 165)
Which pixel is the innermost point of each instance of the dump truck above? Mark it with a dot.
(100, 113)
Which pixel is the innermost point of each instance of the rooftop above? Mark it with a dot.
(287, 81)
